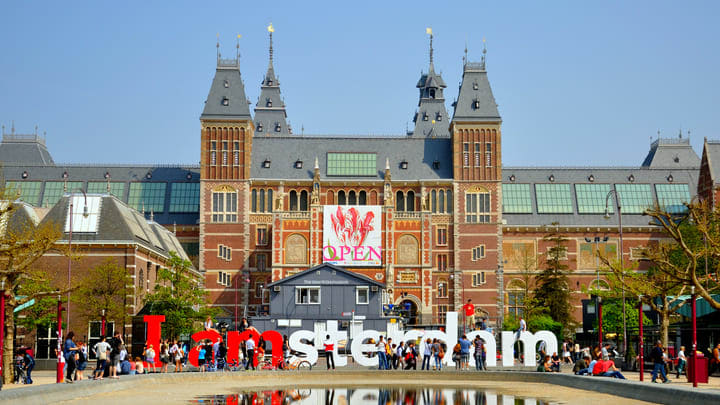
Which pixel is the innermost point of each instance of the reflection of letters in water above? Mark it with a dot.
(368, 396)
(361, 349)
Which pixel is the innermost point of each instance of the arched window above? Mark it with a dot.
(410, 203)
(448, 201)
(373, 197)
(352, 198)
(330, 198)
(293, 201)
(270, 200)
(262, 201)
(399, 201)
(362, 198)
(433, 201)
(253, 200)
(341, 198)
(441, 209)
(516, 297)
(303, 200)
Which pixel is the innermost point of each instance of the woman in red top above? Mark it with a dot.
(329, 348)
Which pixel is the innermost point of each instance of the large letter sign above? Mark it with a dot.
(352, 235)
(307, 344)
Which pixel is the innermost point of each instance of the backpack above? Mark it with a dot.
(81, 356)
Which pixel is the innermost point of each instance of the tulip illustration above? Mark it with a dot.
(350, 229)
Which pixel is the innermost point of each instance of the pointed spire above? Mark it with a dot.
(237, 48)
(217, 46)
(465, 58)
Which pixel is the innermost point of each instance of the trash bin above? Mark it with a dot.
(702, 368)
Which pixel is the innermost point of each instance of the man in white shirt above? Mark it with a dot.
(102, 352)
(250, 348)
(381, 353)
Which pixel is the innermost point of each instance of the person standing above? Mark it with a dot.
(28, 365)
(381, 353)
(102, 352)
(658, 358)
(464, 352)
(150, 358)
(410, 357)
(715, 360)
(479, 353)
(438, 354)
(115, 343)
(469, 310)
(250, 349)
(329, 347)
(82, 361)
(398, 356)
(427, 355)
(70, 350)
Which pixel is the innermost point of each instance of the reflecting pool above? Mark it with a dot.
(369, 396)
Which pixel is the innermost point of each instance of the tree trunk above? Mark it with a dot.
(664, 325)
(9, 343)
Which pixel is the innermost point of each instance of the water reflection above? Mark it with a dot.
(367, 396)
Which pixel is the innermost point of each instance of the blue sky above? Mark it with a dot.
(577, 83)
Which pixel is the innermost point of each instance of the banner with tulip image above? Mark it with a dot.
(352, 235)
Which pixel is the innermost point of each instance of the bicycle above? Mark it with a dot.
(297, 363)
(235, 365)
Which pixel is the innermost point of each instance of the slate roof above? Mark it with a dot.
(118, 223)
(328, 266)
(227, 87)
(118, 173)
(431, 119)
(20, 218)
(608, 175)
(671, 152)
(712, 150)
(24, 149)
(283, 152)
(475, 100)
(271, 120)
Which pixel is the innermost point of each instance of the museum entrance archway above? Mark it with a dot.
(409, 311)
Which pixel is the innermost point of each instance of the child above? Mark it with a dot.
(150, 358)
(139, 366)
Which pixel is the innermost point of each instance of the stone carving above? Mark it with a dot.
(407, 250)
(296, 249)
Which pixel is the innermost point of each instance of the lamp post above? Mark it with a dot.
(60, 357)
(102, 329)
(641, 343)
(622, 261)
(85, 214)
(694, 337)
(2, 327)
(600, 333)
(597, 240)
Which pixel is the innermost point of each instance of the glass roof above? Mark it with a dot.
(553, 199)
(351, 164)
(29, 190)
(591, 198)
(672, 196)
(516, 199)
(101, 187)
(146, 197)
(54, 190)
(185, 197)
(635, 198)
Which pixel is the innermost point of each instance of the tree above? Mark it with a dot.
(103, 290)
(177, 296)
(21, 245)
(552, 288)
(695, 234)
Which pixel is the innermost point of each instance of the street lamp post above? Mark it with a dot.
(70, 231)
(60, 357)
(622, 261)
(600, 332)
(641, 345)
(102, 331)
(597, 240)
(2, 327)
(694, 337)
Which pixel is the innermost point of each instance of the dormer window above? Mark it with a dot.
(476, 104)
(438, 117)
(432, 93)
(277, 127)
(404, 165)
(225, 101)
(425, 117)
(475, 86)
(269, 82)
(226, 84)
(436, 164)
(298, 164)
(259, 126)
(268, 103)
(266, 164)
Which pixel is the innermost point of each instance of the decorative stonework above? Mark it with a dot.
(407, 250)
(407, 277)
(296, 249)
(261, 218)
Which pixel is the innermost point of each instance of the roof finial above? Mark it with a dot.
(387, 163)
(465, 58)
(680, 134)
(484, 53)
(217, 46)
(175, 228)
(237, 48)
(317, 165)
(152, 215)
(271, 29)
(428, 31)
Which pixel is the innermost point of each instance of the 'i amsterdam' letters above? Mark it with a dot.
(302, 342)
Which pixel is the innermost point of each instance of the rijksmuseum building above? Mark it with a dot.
(431, 214)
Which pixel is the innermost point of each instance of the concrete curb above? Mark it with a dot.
(655, 393)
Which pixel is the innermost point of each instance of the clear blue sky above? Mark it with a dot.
(577, 83)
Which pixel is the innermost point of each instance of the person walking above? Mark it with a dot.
(70, 351)
(427, 355)
(329, 346)
(658, 358)
(682, 362)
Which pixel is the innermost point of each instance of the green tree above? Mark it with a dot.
(177, 296)
(103, 289)
(552, 290)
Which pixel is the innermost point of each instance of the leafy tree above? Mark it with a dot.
(177, 296)
(527, 261)
(103, 289)
(552, 289)
(21, 245)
